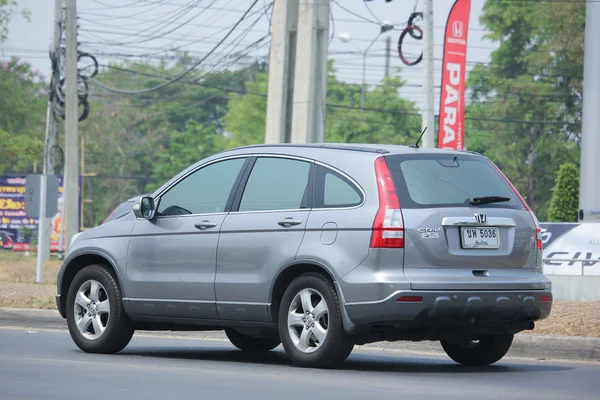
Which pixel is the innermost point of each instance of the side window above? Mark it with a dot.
(204, 191)
(332, 190)
(276, 184)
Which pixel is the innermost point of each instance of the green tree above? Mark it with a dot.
(565, 195)
(525, 106)
(246, 114)
(22, 114)
(18, 152)
(387, 118)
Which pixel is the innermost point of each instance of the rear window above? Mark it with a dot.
(431, 180)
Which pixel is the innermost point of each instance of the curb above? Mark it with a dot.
(540, 347)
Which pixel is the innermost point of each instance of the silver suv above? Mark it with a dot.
(317, 247)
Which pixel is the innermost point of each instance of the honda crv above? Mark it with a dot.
(319, 247)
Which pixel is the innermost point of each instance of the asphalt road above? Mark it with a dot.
(39, 364)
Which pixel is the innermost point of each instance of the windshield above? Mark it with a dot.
(432, 180)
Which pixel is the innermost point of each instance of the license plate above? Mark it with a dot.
(480, 238)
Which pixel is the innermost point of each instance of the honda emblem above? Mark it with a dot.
(457, 29)
(481, 218)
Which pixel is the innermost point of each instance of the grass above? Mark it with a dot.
(18, 289)
(20, 267)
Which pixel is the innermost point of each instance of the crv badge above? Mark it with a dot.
(429, 233)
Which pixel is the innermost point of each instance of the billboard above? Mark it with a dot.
(18, 231)
(571, 248)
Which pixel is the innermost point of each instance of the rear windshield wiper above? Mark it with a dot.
(476, 201)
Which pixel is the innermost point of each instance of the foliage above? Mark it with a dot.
(345, 122)
(7, 8)
(22, 115)
(565, 195)
(18, 152)
(525, 106)
(247, 112)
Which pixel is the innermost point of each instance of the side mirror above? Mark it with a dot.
(144, 208)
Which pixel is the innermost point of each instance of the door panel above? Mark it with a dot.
(264, 234)
(171, 266)
(171, 262)
(252, 247)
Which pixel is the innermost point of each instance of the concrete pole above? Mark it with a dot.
(71, 178)
(282, 60)
(45, 225)
(388, 52)
(310, 80)
(428, 66)
(589, 186)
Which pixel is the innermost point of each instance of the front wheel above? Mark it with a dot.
(96, 318)
(251, 344)
(486, 350)
(310, 323)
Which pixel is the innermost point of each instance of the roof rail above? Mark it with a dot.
(329, 146)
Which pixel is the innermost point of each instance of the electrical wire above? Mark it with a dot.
(185, 73)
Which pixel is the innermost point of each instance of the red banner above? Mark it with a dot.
(452, 100)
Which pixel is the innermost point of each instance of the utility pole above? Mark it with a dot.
(44, 223)
(428, 66)
(282, 61)
(71, 176)
(589, 184)
(310, 77)
(388, 52)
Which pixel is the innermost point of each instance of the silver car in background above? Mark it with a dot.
(318, 247)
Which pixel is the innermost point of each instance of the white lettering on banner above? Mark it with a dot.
(451, 102)
(457, 41)
(454, 70)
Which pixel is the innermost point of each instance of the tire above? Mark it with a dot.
(301, 344)
(109, 328)
(251, 344)
(489, 349)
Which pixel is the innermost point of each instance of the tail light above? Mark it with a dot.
(410, 299)
(388, 227)
(538, 229)
(546, 298)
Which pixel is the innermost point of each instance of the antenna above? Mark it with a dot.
(416, 144)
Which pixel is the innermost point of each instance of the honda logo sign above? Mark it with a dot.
(457, 29)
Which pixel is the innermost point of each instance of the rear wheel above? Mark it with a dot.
(96, 318)
(251, 344)
(487, 350)
(310, 323)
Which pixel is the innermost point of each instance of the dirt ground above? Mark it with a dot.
(18, 289)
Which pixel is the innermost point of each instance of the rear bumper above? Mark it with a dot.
(443, 308)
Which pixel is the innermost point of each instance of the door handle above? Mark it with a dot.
(205, 225)
(286, 223)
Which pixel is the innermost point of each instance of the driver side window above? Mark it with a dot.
(204, 191)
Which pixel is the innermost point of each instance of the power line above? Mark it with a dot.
(185, 73)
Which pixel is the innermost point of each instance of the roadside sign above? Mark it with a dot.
(32, 195)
